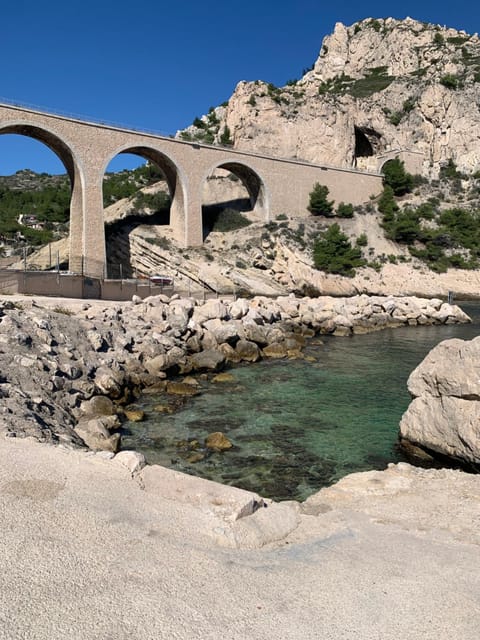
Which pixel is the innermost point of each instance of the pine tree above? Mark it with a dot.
(319, 204)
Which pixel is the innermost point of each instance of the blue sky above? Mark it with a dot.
(156, 65)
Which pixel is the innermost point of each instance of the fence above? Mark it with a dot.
(74, 285)
(81, 280)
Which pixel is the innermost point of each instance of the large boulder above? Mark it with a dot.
(95, 432)
(209, 360)
(247, 350)
(444, 415)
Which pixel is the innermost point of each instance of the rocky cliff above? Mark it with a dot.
(377, 86)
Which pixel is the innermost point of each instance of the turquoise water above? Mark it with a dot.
(297, 426)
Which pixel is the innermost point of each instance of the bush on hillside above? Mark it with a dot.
(229, 220)
(396, 177)
(345, 210)
(333, 253)
(319, 205)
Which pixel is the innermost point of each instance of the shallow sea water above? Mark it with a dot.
(297, 426)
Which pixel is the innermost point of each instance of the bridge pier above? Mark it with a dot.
(76, 225)
(93, 247)
(186, 214)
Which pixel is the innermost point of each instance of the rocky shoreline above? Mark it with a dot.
(67, 376)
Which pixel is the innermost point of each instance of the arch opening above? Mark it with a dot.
(143, 208)
(37, 198)
(232, 193)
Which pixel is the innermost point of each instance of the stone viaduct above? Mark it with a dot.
(275, 185)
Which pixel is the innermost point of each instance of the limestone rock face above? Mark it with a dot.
(377, 86)
(445, 413)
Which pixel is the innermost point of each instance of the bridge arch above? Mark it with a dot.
(253, 183)
(174, 177)
(50, 139)
(70, 160)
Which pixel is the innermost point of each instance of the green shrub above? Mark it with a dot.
(199, 124)
(225, 138)
(319, 204)
(409, 105)
(208, 137)
(387, 204)
(449, 171)
(271, 226)
(396, 177)
(375, 80)
(458, 40)
(395, 118)
(160, 241)
(230, 220)
(405, 227)
(345, 210)
(449, 81)
(419, 73)
(339, 85)
(63, 310)
(438, 39)
(212, 117)
(362, 240)
(155, 202)
(333, 253)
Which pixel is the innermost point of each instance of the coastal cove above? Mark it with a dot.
(296, 425)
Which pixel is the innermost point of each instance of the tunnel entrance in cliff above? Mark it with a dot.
(367, 146)
(138, 189)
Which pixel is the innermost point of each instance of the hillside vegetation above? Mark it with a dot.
(47, 199)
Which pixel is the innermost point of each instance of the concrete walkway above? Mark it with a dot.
(88, 552)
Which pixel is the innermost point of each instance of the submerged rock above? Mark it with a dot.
(181, 389)
(218, 441)
(134, 415)
(224, 377)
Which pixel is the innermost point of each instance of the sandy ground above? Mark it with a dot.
(86, 552)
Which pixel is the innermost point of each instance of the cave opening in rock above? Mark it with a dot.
(367, 143)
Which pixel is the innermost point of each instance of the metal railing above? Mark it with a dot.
(81, 117)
